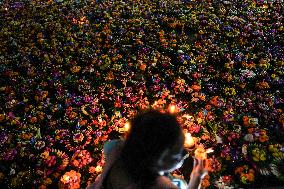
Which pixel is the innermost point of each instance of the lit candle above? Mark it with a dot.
(125, 129)
(189, 141)
(173, 109)
(126, 126)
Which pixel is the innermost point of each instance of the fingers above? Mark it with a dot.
(199, 162)
(194, 162)
(200, 166)
(206, 163)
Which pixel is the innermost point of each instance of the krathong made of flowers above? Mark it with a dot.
(74, 72)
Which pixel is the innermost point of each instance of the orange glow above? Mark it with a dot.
(173, 109)
(126, 127)
(189, 141)
(201, 153)
(66, 178)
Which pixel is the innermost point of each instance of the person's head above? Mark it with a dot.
(154, 143)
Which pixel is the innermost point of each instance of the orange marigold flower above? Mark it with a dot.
(142, 66)
(262, 132)
(208, 107)
(205, 182)
(250, 177)
(251, 130)
(196, 87)
(239, 170)
(263, 138)
(214, 165)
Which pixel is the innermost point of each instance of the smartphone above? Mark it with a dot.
(179, 183)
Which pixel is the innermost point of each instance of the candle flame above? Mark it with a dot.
(173, 109)
(189, 141)
(126, 126)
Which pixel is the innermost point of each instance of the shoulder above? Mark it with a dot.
(163, 182)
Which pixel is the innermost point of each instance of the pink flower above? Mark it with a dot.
(51, 161)
(78, 137)
(194, 128)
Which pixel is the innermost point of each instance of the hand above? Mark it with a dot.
(199, 168)
(198, 173)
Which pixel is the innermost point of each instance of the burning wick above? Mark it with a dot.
(201, 153)
(189, 141)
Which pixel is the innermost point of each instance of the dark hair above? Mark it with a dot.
(151, 133)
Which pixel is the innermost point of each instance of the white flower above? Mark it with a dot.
(219, 139)
(249, 138)
(264, 171)
(274, 170)
(248, 73)
(244, 150)
(12, 171)
(221, 184)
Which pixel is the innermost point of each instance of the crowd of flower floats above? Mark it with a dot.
(74, 72)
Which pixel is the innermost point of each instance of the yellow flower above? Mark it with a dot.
(98, 169)
(44, 155)
(230, 91)
(47, 181)
(273, 76)
(65, 179)
(258, 155)
(278, 155)
(263, 85)
(75, 69)
(243, 179)
(2, 117)
(264, 64)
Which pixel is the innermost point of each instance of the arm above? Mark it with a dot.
(111, 152)
(198, 172)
